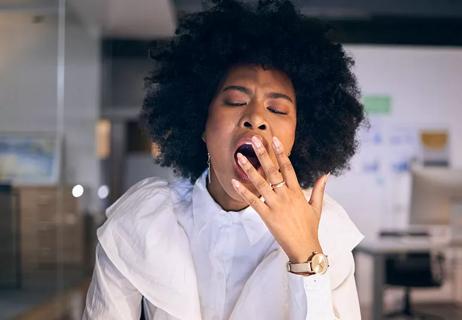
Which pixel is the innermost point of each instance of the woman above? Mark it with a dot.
(251, 106)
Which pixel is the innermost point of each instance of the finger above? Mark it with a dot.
(285, 165)
(250, 198)
(317, 195)
(257, 180)
(271, 171)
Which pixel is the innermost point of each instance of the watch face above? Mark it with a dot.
(319, 263)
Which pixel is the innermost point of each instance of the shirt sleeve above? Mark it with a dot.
(110, 295)
(345, 296)
(327, 303)
(318, 296)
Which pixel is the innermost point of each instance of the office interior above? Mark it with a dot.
(71, 87)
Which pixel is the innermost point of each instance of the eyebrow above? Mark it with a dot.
(273, 95)
(276, 95)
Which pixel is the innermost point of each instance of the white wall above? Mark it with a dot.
(425, 85)
(27, 73)
(28, 88)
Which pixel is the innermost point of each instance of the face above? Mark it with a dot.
(250, 101)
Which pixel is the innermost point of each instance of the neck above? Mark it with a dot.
(220, 196)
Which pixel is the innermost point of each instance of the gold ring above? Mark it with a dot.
(277, 185)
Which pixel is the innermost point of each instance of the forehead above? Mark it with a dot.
(257, 76)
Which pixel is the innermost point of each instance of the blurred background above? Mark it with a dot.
(71, 87)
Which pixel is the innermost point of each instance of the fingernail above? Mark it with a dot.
(277, 144)
(257, 141)
(241, 158)
(235, 183)
(326, 177)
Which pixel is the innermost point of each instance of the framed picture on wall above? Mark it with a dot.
(29, 158)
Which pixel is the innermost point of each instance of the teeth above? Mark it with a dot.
(245, 144)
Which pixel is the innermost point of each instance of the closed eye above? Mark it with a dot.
(235, 104)
(276, 111)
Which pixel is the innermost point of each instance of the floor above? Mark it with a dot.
(54, 294)
(442, 311)
(53, 299)
(68, 305)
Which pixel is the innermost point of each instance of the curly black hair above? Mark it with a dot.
(272, 34)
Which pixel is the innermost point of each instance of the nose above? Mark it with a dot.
(253, 118)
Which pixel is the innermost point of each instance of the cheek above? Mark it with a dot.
(215, 128)
(218, 131)
(220, 123)
(286, 133)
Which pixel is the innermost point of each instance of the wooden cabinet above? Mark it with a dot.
(51, 229)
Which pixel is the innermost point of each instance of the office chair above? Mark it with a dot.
(414, 270)
(10, 259)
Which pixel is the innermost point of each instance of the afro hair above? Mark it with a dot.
(272, 34)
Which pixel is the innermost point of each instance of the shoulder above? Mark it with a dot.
(136, 196)
(142, 233)
(149, 195)
(337, 231)
(338, 236)
(142, 211)
(140, 224)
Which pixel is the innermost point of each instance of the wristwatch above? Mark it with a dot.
(317, 264)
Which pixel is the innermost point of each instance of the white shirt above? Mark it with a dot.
(173, 245)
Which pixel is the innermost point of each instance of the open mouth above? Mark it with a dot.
(247, 151)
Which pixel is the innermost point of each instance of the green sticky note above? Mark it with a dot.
(377, 104)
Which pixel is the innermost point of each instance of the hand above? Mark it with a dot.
(291, 219)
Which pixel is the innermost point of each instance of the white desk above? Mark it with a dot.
(377, 249)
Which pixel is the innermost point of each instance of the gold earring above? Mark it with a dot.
(209, 169)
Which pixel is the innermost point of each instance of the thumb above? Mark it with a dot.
(317, 195)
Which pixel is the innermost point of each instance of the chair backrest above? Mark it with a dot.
(412, 270)
(422, 269)
(9, 254)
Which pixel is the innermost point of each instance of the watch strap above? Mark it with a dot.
(307, 267)
(304, 267)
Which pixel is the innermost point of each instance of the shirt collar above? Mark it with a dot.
(207, 211)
